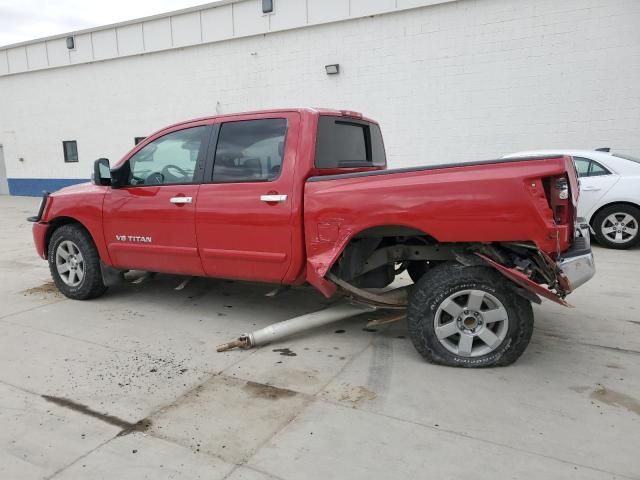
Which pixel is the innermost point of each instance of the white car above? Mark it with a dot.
(609, 193)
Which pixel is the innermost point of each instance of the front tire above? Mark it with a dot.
(616, 226)
(75, 264)
(468, 317)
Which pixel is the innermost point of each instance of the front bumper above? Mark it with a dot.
(39, 238)
(577, 264)
(40, 228)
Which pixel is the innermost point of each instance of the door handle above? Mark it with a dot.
(180, 200)
(273, 198)
(590, 189)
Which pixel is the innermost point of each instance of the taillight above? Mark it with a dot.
(557, 192)
(562, 185)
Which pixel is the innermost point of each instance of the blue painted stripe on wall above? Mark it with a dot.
(33, 187)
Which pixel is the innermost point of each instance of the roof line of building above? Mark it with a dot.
(195, 8)
(213, 22)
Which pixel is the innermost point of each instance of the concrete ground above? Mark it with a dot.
(130, 386)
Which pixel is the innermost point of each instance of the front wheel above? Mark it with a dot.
(75, 264)
(468, 317)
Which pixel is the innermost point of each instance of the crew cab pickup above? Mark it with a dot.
(304, 196)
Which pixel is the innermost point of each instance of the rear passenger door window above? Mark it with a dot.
(250, 151)
(596, 170)
(582, 166)
(589, 168)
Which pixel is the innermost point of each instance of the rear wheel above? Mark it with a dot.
(75, 264)
(468, 317)
(616, 226)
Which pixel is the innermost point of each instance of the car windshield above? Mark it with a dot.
(627, 157)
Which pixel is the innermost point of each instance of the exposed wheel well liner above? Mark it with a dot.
(368, 257)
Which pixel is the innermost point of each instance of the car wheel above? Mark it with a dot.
(75, 264)
(616, 226)
(468, 317)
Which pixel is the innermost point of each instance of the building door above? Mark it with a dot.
(4, 186)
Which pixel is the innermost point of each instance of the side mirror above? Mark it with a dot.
(101, 172)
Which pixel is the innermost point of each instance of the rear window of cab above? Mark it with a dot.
(346, 142)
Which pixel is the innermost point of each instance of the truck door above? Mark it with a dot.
(595, 182)
(149, 223)
(244, 214)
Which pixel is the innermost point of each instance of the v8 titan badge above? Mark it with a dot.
(133, 239)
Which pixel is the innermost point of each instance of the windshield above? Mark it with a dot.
(627, 157)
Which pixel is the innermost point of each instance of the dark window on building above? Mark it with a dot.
(589, 168)
(250, 151)
(70, 149)
(348, 143)
(137, 140)
(267, 6)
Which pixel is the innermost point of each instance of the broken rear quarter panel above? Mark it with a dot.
(489, 202)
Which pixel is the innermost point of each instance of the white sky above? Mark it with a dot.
(22, 20)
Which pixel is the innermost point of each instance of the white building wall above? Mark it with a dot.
(463, 80)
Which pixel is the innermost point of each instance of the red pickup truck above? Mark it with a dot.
(304, 196)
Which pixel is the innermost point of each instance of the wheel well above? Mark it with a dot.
(375, 251)
(595, 214)
(55, 224)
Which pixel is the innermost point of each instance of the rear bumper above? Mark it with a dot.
(577, 264)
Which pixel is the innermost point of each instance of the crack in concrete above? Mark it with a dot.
(126, 427)
(30, 309)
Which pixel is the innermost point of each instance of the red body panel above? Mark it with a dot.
(503, 201)
(242, 237)
(83, 203)
(39, 239)
(147, 213)
(228, 232)
(521, 279)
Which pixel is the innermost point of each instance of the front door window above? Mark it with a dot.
(170, 159)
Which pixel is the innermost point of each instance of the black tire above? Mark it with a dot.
(91, 285)
(617, 210)
(444, 281)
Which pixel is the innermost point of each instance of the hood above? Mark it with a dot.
(79, 188)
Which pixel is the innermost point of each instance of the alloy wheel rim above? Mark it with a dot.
(471, 323)
(620, 227)
(70, 263)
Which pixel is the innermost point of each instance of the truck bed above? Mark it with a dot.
(463, 202)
